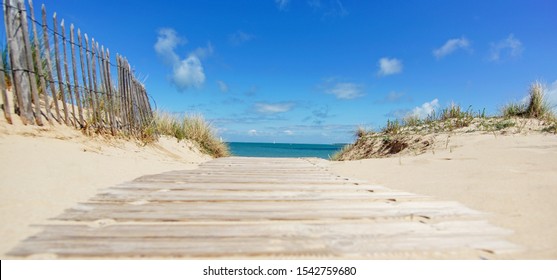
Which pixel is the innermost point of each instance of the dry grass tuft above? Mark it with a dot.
(193, 128)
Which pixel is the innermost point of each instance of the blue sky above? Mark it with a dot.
(312, 71)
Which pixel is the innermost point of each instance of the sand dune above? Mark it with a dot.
(48, 169)
(513, 178)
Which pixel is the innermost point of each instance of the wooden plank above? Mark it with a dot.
(246, 186)
(126, 196)
(75, 79)
(50, 76)
(265, 211)
(327, 240)
(317, 229)
(59, 71)
(39, 63)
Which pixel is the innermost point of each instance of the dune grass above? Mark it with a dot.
(537, 106)
(452, 118)
(193, 128)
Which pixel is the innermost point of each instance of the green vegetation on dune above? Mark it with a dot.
(193, 128)
(415, 134)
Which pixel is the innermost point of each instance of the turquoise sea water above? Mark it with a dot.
(283, 150)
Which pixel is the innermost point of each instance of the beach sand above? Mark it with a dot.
(48, 169)
(513, 178)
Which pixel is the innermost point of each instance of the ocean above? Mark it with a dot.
(283, 150)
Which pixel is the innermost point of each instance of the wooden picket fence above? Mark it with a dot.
(98, 95)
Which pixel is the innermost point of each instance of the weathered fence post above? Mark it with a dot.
(86, 93)
(75, 80)
(67, 72)
(38, 61)
(49, 65)
(16, 48)
(59, 70)
(95, 86)
(92, 91)
(30, 65)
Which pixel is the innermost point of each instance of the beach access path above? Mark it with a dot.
(264, 208)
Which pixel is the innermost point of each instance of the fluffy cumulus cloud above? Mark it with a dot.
(288, 132)
(451, 46)
(345, 90)
(187, 72)
(167, 41)
(424, 110)
(389, 66)
(510, 46)
(252, 132)
(273, 108)
(282, 4)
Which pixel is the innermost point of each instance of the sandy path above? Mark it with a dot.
(512, 177)
(46, 170)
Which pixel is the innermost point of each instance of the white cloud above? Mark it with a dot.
(252, 132)
(273, 108)
(288, 132)
(239, 37)
(424, 110)
(282, 4)
(346, 90)
(389, 66)
(186, 72)
(222, 86)
(166, 43)
(510, 45)
(451, 46)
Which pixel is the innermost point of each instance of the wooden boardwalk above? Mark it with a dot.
(264, 208)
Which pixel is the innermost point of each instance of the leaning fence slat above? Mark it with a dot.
(38, 61)
(129, 99)
(17, 61)
(98, 119)
(102, 85)
(75, 79)
(108, 94)
(86, 92)
(30, 64)
(92, 91)
(5, 100)
(121, 89)
(59, 71)
(49, 65)
(111, 94)
(67, 72)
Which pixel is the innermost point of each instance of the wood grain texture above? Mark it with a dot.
(265, 208)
